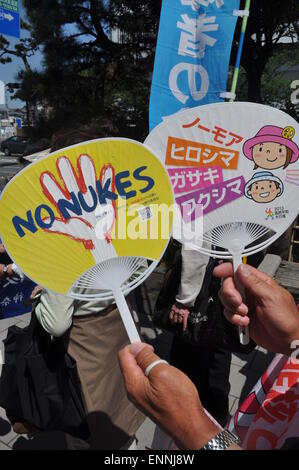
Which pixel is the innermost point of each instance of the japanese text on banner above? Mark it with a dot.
(192, 56)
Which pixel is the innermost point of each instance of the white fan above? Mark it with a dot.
(256, 198)
(112, 274)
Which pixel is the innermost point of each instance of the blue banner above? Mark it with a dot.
(14, 297)
(192, 56)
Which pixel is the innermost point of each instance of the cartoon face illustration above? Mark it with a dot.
(272, 148)
(264, 191)
(264, 187)
(270, 155)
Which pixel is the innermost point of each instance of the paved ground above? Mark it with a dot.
(245, 370)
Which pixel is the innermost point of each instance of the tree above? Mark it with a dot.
(24, 49)
(98, 57)
(270, 23)
(87, 73)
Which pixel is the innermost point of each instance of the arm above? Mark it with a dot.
(55, 312)
(193, 272)
(168, 397)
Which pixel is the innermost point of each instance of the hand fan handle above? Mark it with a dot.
(126, 315)
(243, 330)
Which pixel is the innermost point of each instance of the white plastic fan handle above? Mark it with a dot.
(126, 316)
(243, 330)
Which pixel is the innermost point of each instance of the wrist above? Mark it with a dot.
(178, 304)
(200, 431)
(290, 344)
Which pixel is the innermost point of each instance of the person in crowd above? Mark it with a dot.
(96, 334)
(169, 397)
(210, 371)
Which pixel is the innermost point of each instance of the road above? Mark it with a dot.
(9, 166)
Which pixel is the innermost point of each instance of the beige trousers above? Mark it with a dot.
(94, 343)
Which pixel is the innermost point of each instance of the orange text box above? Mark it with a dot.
(188, 153)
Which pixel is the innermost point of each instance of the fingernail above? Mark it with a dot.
(135, 348)
(244, 321)
(244, 269)
(242, 310)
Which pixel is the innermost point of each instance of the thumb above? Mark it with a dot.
(146, 357)
(255, 282)
(137, 347)
(132, 373)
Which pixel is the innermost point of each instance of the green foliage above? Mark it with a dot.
(86, 73)
(98, 59)
(271, 22)
(276, 83)
(276, 80)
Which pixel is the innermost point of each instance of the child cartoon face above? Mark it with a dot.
(269, 155)
(272, 148)
(264, 191)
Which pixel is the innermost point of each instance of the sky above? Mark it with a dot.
(9, 71)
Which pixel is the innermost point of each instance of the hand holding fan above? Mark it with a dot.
(81, 224)
(242, 158)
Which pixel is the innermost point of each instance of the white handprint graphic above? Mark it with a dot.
(79, 194)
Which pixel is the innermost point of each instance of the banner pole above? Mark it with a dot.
(240, 49)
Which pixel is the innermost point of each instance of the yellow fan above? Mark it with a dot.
(86, 221)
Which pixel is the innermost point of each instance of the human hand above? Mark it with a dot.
(167, 396)
(16, 271)
(2, 248)
(35, 291)
(92, 227)
(270, 310)
(9, 271)
(179, 314)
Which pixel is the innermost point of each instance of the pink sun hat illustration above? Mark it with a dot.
(272, 134)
